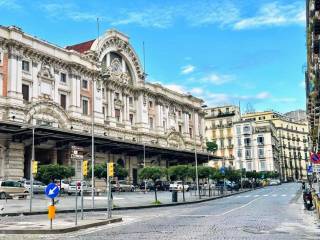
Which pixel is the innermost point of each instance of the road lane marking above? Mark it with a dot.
(283, 195)
(266, 195)
(237, 208)
(256, 195)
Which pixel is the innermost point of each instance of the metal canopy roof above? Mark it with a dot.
(66, 138)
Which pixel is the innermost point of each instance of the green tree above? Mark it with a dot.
(212, 146)
(120, 172)
(154, 174)
(179, 172)
(50, 173)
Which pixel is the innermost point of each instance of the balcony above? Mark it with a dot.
(230, 146)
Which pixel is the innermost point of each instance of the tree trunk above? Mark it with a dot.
(183, 191)
(155, 193)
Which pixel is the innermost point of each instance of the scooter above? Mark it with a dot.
(307, 199)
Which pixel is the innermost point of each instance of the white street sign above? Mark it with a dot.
(316, 168)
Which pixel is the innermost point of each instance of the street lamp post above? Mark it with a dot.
(92, 144)
(31, 175)
(195, 153)
(144, 165)
(195, 150)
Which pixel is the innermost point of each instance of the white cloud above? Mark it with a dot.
(274, 14)
(176, 88)
(197, 91)
(263, 95)
(217, 79)
(69, 11)
(223, 13)
(187, 69)
(10, 4)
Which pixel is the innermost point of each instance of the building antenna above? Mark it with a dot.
(98, 31)
(144, 59)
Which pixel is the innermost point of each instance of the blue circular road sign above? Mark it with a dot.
(52, 190)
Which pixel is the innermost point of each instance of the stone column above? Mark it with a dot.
(14, 168)
(54, 156)
(109, 103)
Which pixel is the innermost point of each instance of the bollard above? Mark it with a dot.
(174, 196)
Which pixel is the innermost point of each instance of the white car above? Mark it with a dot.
(38, 187)
(177, 186)
(274, 182)
(75, 185)
(65, 184)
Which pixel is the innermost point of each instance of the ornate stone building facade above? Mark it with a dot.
(293, 143)
(43, 84)
(219, 128)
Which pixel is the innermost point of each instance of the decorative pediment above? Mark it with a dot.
(45, 72)
(175, 139)
(114, 72)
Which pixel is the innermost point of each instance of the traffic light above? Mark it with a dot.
(111, 169)
(85, 168)
(34, 167)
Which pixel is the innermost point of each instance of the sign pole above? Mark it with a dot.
(51, 219)
(76, 209)
(81, 189)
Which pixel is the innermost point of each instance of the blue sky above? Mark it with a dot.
(223, 51)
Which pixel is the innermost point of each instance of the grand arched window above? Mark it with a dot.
(117, 66)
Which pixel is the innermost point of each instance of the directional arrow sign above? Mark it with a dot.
(52, 190)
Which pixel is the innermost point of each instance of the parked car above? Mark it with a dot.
(124, 186)
(38, 187)
(177, 186)
(230, 186)
(11, 188)
(65, 184)
(162, 185)
(150, 186)
(76, 186)
(274, 182)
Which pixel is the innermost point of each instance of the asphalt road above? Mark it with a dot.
(270, 213)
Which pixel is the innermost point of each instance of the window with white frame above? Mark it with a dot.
(84, 84)
(246, 129)
(260, 140)
(238, 130)
(63, 78)
(249, 166)
(131, 118)
(63, 100)
(25, 66)
(262, 166)
(85, 106)
(151, 122)
(248, 153)
(239, 141)
(247, 141)
(117, 114)
(260, 152)
(239, 153)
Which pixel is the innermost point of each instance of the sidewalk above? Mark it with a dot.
(63, 223)
(122, 201)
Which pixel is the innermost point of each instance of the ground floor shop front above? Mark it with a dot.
(56, 146)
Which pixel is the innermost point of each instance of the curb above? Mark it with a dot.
(59, 230)
(126, 208)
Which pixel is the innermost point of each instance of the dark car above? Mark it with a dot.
(162, 185)
(230, 186)
(149, 187)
